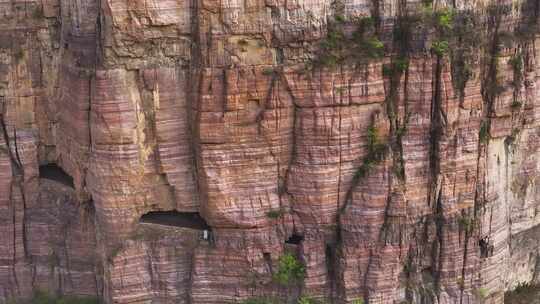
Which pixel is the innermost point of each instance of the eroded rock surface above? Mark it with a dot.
(409, 178)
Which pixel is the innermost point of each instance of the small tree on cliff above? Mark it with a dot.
(290, 270)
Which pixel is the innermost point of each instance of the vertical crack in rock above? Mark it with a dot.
(436, 180)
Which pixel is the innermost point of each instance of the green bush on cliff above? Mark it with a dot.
(375, 154)
(308, 300)
(340, 46)
(483, 134)
(444, 19)
(290, 270)
(274, 214)
(440, 47)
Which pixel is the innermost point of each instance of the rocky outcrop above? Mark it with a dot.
(391, 146)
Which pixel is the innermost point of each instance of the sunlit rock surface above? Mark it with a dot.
(212, 109)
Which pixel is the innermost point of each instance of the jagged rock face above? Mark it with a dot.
(415, 184)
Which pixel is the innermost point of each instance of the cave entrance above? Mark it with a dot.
(295, 239)
(174, 218)
(54, 172)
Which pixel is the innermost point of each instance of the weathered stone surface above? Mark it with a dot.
(391, 182)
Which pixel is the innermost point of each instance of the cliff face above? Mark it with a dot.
(391, 145)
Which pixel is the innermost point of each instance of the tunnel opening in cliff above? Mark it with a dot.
(54, 172)
(295, 239)
(174, 218)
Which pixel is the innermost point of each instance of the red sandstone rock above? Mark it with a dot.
(209, 107)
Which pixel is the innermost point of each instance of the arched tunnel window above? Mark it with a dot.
(54, 172)
(191, 220)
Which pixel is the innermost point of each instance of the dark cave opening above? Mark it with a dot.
(295, 239)
(54, 172)
(191, 220)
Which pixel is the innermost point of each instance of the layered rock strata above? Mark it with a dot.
(407, 176)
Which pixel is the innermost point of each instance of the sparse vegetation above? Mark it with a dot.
(274, 214)
(483, 134)
(290, 270)
(340, 46)
(440, 48)
(524, 293)
(409, 267)
(376, 149)
(516, 61)
(308, 300)
(387, 70)
(358, 301)
(482, 293)
(466, 223)
(444, 19)
(399, 65)
(517, 64)
(268, 71)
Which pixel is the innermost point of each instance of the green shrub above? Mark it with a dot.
(274, 213)
(444, 19)
(290, 270)
(466, 222)
(376, 150)
(401, 64)
(375, 47)
(308, 300)
(356, 47)
(387, 70)
(517, 64)
(483, 134)
(268, 71)
(358, 301)
(516, 61)
(440, 47)
(339, 18)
